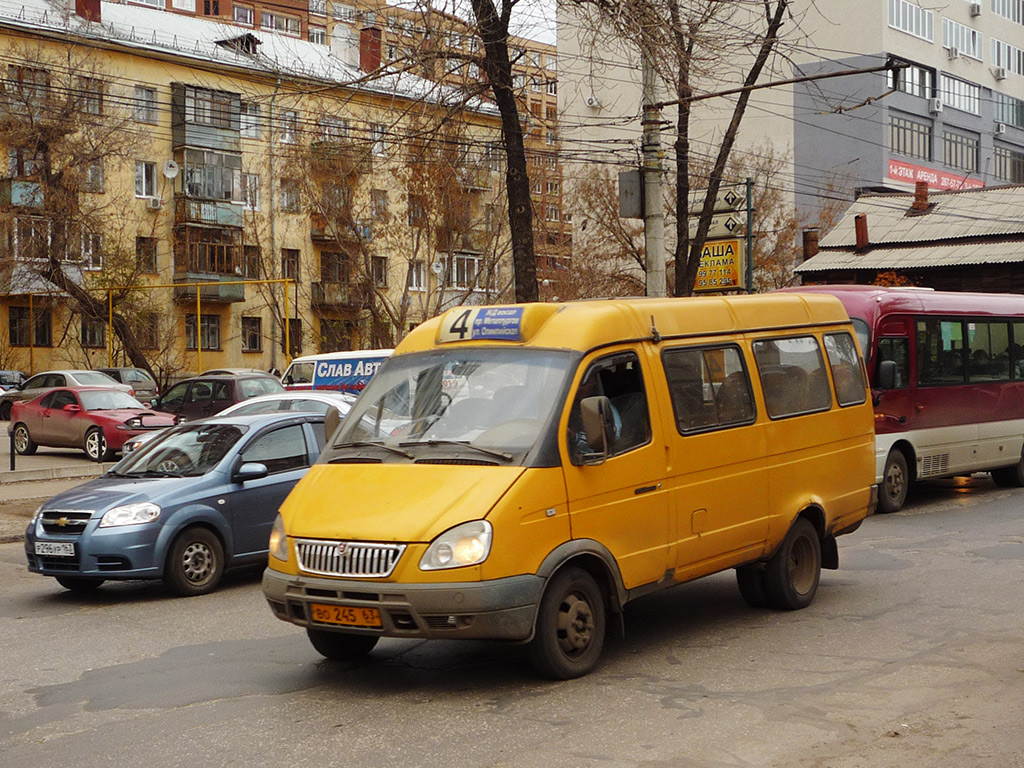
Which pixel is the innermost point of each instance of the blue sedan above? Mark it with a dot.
(197, 499)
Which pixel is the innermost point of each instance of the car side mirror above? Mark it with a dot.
(72, 408)
(595, 412)
(887, 374)
(250, 470)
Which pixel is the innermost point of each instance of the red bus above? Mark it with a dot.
(947, 379)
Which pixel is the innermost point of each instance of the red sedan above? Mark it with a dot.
(96, 419)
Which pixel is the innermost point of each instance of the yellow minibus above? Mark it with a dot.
(520, 473)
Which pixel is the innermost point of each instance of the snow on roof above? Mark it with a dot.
(200, 39)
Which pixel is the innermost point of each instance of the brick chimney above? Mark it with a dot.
(369, 49)
(810, 242)
(88, 9)
(860, 225)
(920, 204)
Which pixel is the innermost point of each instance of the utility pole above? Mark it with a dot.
(654, 206)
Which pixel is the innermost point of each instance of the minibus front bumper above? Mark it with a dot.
(502, 609)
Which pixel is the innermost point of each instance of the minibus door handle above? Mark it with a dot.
(646, 489)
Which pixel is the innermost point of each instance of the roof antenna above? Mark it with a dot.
(655, 336)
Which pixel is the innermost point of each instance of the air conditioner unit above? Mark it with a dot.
(975, 9)
(1000, 129)
(591, 101)
(154, 203)
(953, 53)
(935, 105)
(999, 73)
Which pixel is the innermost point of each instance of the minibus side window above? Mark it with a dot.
(988, 345)
(709, 388)
(940, 352)
(896, 350)
(793, 376)
(618, 378)
(846, 371)
(1017, 351)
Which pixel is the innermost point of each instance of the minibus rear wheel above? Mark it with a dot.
(751, 581)
(570, 628)
(895, 482)
(1010, 477)
(793, 572)
(340, 646)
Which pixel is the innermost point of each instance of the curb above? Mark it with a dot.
(52, 473)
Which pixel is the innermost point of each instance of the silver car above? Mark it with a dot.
(36, 385)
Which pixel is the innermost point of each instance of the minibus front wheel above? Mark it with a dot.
(340, 646)
(570, 627)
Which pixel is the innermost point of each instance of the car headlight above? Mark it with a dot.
(37, 514)
(466, 544)
(130, 514)
(278, 540)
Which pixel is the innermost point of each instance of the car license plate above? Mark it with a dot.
(55, 548)
(345, 615)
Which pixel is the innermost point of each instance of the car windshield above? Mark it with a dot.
(93, 379)
(493, 401)
(299, 373)
(108, 400)
(259, 385)
(189, 450)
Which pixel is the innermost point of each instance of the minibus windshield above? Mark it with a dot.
(490, 403)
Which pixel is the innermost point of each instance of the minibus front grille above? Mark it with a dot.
(354, 559)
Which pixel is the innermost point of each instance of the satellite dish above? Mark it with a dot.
(170, 169)
(437, 266)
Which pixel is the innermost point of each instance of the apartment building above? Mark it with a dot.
(215, 163)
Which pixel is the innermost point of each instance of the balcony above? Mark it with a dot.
(216, 213)
(21, 194)
(337, 295)
(214, 293)
(476, 177)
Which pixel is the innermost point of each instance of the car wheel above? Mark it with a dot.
(5, 411)
(570, 627)
(751, 581)
(792, 575)
(23, 442)
(78, 584)
(892, 492)
(1010, 477)
(340, 646)
(96, 445)
(195, 563)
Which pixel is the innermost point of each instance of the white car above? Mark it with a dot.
(307, 401)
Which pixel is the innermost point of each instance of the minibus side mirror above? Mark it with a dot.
(887, 374)
(595, 412)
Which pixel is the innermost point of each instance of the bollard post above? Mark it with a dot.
(12, 451)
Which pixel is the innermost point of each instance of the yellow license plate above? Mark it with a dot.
(345, 615)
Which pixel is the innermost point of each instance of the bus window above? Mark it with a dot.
(792, 375)
(989, 355)
(846, 371)
(1017, 351)
(709, 388)
(896, 350)
(940, 352)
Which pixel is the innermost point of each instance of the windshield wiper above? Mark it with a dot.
(152, 473)
(461, 444)
(370, 444)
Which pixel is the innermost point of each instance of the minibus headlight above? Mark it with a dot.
(278, 540)
(130, 514)
(466, 544)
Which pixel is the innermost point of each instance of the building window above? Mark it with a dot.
(21, 163)
(290, 263)
(332, 129)
(211, 250)
(910, 138)
(243, 15)
(250, 121)
(252, 334)
(251, 191)
(289, 126)
(911, 18)
(212, 175)
(211, 7)
(960, 152)
(552, 213)
(277, 22)
(417, 211)
(1008, 110)
(29, 84)
(251, 262)
(318, 7)
(145, 106)
(208, 107)
(20, 327)
(289, 196)
(343, 12)
(1009, 165)
(913, 79)
(417, 277)
(317, 34)
(379, 267)
(145, 179)
(378, 204)
(147, 330)
(378, 139)
(1010, 57)
(92, 177)
(333, 267)
(92, 250)
(209, 331)
(463, 271)
(552, 88)
(551, 137)
(184, 5)
(145, 254)
(94, 332)
(335, 334)
(90, 95)
(960, 94)
(965, 40)
(294, 337)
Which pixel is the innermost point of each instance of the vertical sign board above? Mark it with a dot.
(721, 266)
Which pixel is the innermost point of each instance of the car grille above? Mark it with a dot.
(69, 522)
(348, 558)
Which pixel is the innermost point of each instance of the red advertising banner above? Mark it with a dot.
(910, 173)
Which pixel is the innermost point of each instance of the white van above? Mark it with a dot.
(336, 371)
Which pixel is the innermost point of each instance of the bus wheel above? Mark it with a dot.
(340, 646)
(792, 575)
(895, 483)
(570, 626)
(751, 581)
(1010, 477)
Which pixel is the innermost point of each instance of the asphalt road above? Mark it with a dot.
(911, 655)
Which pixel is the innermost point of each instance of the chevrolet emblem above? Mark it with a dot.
(62, 522)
